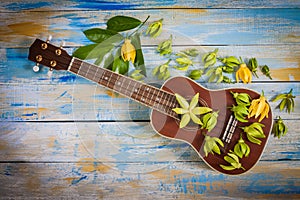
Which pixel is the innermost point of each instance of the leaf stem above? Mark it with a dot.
(142, 24)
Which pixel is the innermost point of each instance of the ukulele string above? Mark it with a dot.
(93, 74)
(164, 97)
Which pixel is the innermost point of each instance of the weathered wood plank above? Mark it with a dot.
(113, 142)
(93, 103)
(281, 59)
(179, 180)
(210, 27)
(137, 4)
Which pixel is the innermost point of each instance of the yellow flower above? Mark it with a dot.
(128, 52)
(259, 107)
(243, 73)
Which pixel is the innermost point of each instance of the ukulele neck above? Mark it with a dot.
(147, 95)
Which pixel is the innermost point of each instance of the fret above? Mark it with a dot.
(143, 98)
(169, 101)
(147, 90)
(134, 87)
(153, 91)
(78, 72)
(128, 84)
(160, 100)
(164, 99)
(122, 83)
(74, 65)
(96, 72)
(87, 72)
(102, 80)
(70, 65)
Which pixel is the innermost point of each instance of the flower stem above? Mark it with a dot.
(140, 26)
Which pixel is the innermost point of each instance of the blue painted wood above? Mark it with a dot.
(58, 137)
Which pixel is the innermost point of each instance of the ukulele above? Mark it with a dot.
(162, 101)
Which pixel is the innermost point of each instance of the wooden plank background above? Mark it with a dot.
(65, 137)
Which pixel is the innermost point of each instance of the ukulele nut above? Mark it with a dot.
(58, 52)
(53, 63)
(44, 46)
(39, 58)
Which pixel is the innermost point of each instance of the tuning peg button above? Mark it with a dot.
(62, 44)
(49, 38)
(50, 72)
(36, 68)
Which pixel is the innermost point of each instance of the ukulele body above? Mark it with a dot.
(218, 100)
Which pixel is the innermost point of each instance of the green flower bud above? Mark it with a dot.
(233, 160)
(162, 71)
(210, 58)
(136, 75)
(241, 148)
(254, 132)
(230, 61)
(165, 47)
(184, 61)
(266, 71)
(253, 65)
(195, 74)
(287, 101)
(211, 145)
(155, 28)
(279, 128)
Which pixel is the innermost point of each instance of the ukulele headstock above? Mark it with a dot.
(42, 52)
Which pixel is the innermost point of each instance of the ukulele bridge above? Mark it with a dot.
(230, 128)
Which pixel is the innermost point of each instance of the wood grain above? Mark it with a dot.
(66, 138)
(180, 180)
(114, 142)
(206, 27)
(18, 5)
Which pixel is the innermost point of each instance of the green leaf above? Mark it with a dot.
(139, 58)
(85, 51)
(122, 23)
(102, 53)
(119, 65)
(108, 62)
(99, 35)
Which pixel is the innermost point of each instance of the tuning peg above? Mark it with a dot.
(36, 67)
(62, 44)
(49, 38)
(50, 72)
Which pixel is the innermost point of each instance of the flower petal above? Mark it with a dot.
(184, 120)
(183, 103)
(180, 111)
(194, 101)
(195, 118)
(201, 110)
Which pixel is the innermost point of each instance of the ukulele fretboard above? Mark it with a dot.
(150, 96)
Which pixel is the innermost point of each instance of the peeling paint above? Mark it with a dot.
(91, 165)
